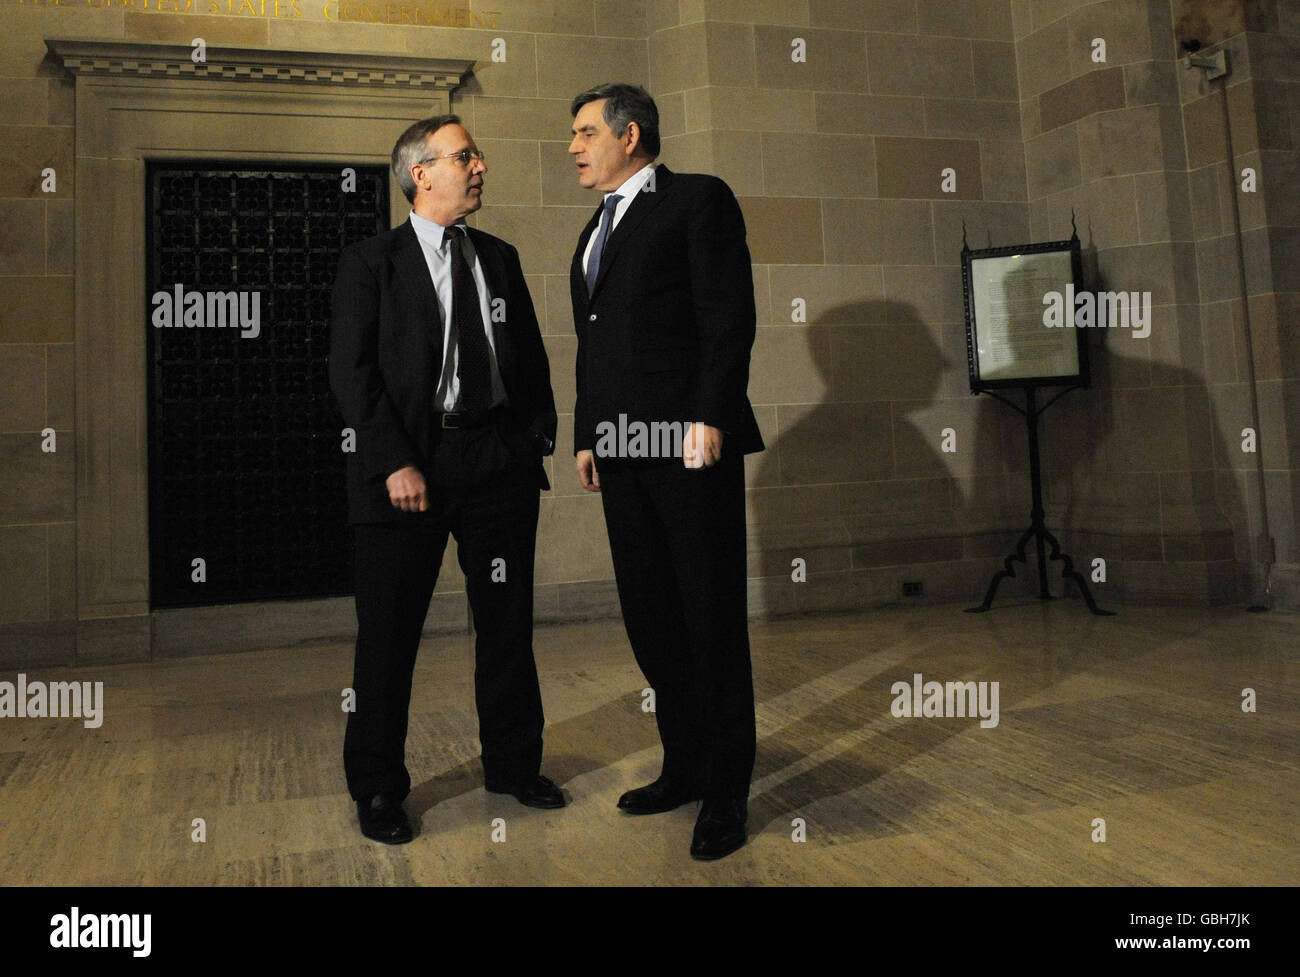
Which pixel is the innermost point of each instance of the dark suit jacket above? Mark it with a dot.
(666, 334)
(386, 355)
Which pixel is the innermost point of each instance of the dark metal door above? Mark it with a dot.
(246, 463)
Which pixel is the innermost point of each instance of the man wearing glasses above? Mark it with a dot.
(437, 364)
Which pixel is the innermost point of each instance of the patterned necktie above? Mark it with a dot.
(602, 235)
(473, 368)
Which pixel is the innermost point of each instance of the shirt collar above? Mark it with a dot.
(431, 232)
(633, 184)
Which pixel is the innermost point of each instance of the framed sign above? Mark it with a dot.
(1020, 328)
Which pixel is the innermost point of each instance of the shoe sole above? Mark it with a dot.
(729, 851)
(540, 807)
(658, 810)
(389, 841)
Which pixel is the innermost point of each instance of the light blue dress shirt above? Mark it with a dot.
(437, 255)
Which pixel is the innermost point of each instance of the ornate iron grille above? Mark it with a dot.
(246, 467)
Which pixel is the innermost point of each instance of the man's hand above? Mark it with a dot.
(406, 489)
(587, 474)
(702, 446)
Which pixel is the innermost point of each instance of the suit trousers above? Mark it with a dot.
(677, 537)
(488, 500)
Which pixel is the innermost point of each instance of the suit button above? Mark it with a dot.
(592, 317)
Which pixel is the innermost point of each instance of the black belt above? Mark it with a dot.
(454, 420)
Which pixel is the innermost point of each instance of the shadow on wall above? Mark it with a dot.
(898, 474)
(1134, 469)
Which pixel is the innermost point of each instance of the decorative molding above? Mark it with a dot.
(141, 59)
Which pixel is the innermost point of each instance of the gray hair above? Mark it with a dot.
(626, 103)
(410, 150)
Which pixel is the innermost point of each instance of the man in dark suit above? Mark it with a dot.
(437, 364)
(663, 304)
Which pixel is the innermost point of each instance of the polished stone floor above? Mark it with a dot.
(1135, 720)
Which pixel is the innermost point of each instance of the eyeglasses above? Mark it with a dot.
(464, 157)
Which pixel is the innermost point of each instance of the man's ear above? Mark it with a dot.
(631, 138)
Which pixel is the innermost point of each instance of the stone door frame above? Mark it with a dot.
(139, 101)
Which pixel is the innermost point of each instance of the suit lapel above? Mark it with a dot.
(498, 283)
(577, 279)
(494, 265)
(408, 258)
(637, 211)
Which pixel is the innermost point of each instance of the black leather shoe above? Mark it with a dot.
(720, 828)
(382, 819)
(537, 791)
(663, 795)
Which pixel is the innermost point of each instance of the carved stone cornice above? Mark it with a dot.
(142, 59)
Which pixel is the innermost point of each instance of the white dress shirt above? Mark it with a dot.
(633, 185)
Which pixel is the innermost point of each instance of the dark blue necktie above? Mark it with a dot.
(602, 235)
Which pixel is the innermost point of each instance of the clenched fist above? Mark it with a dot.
(406, 489)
